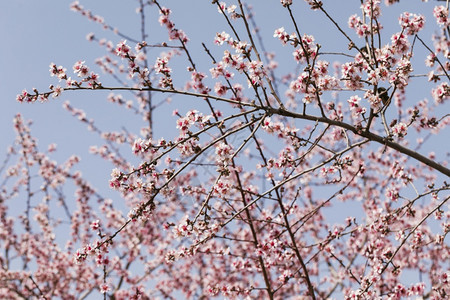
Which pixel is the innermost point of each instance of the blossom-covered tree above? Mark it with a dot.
(298, 174)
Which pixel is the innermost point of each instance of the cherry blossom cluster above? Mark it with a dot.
(97, 250)
(221, 38)
(314, 82)
(116, 178)
(371, 8)
(147, 147)
(24, 96)
(441, 15)
(362, 29)
(441, 92)
(400, 76)
(230, 10)
(400, 130)
(143, 211)
(60, 72)
(256, 72)
(223, 188)
(198, 230)
(411, 23)
(197, 83)
(224, 153)
(161, 67)
(355, 107)
(284, 163)
(283, 36)
(220, 89)
(307, 49)
(221, 67)
(174, 33)
(81, 70)
(278, 128)
(122, 49)
(192, 117)
(351, 73)
(286, 2)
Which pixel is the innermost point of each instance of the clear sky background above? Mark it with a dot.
(36, 33)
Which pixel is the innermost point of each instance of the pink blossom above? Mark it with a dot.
(411, 23)
(122, 49)
(286, 2)
(371, 8)
(400, 130)
(281, 34)
(441, 15)
(400, 43)
(441, 92)
(220, 89)
(80, 69)
(104, 288)
(95, 225)
(221, 38)
(161, 65)
(59, 72)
